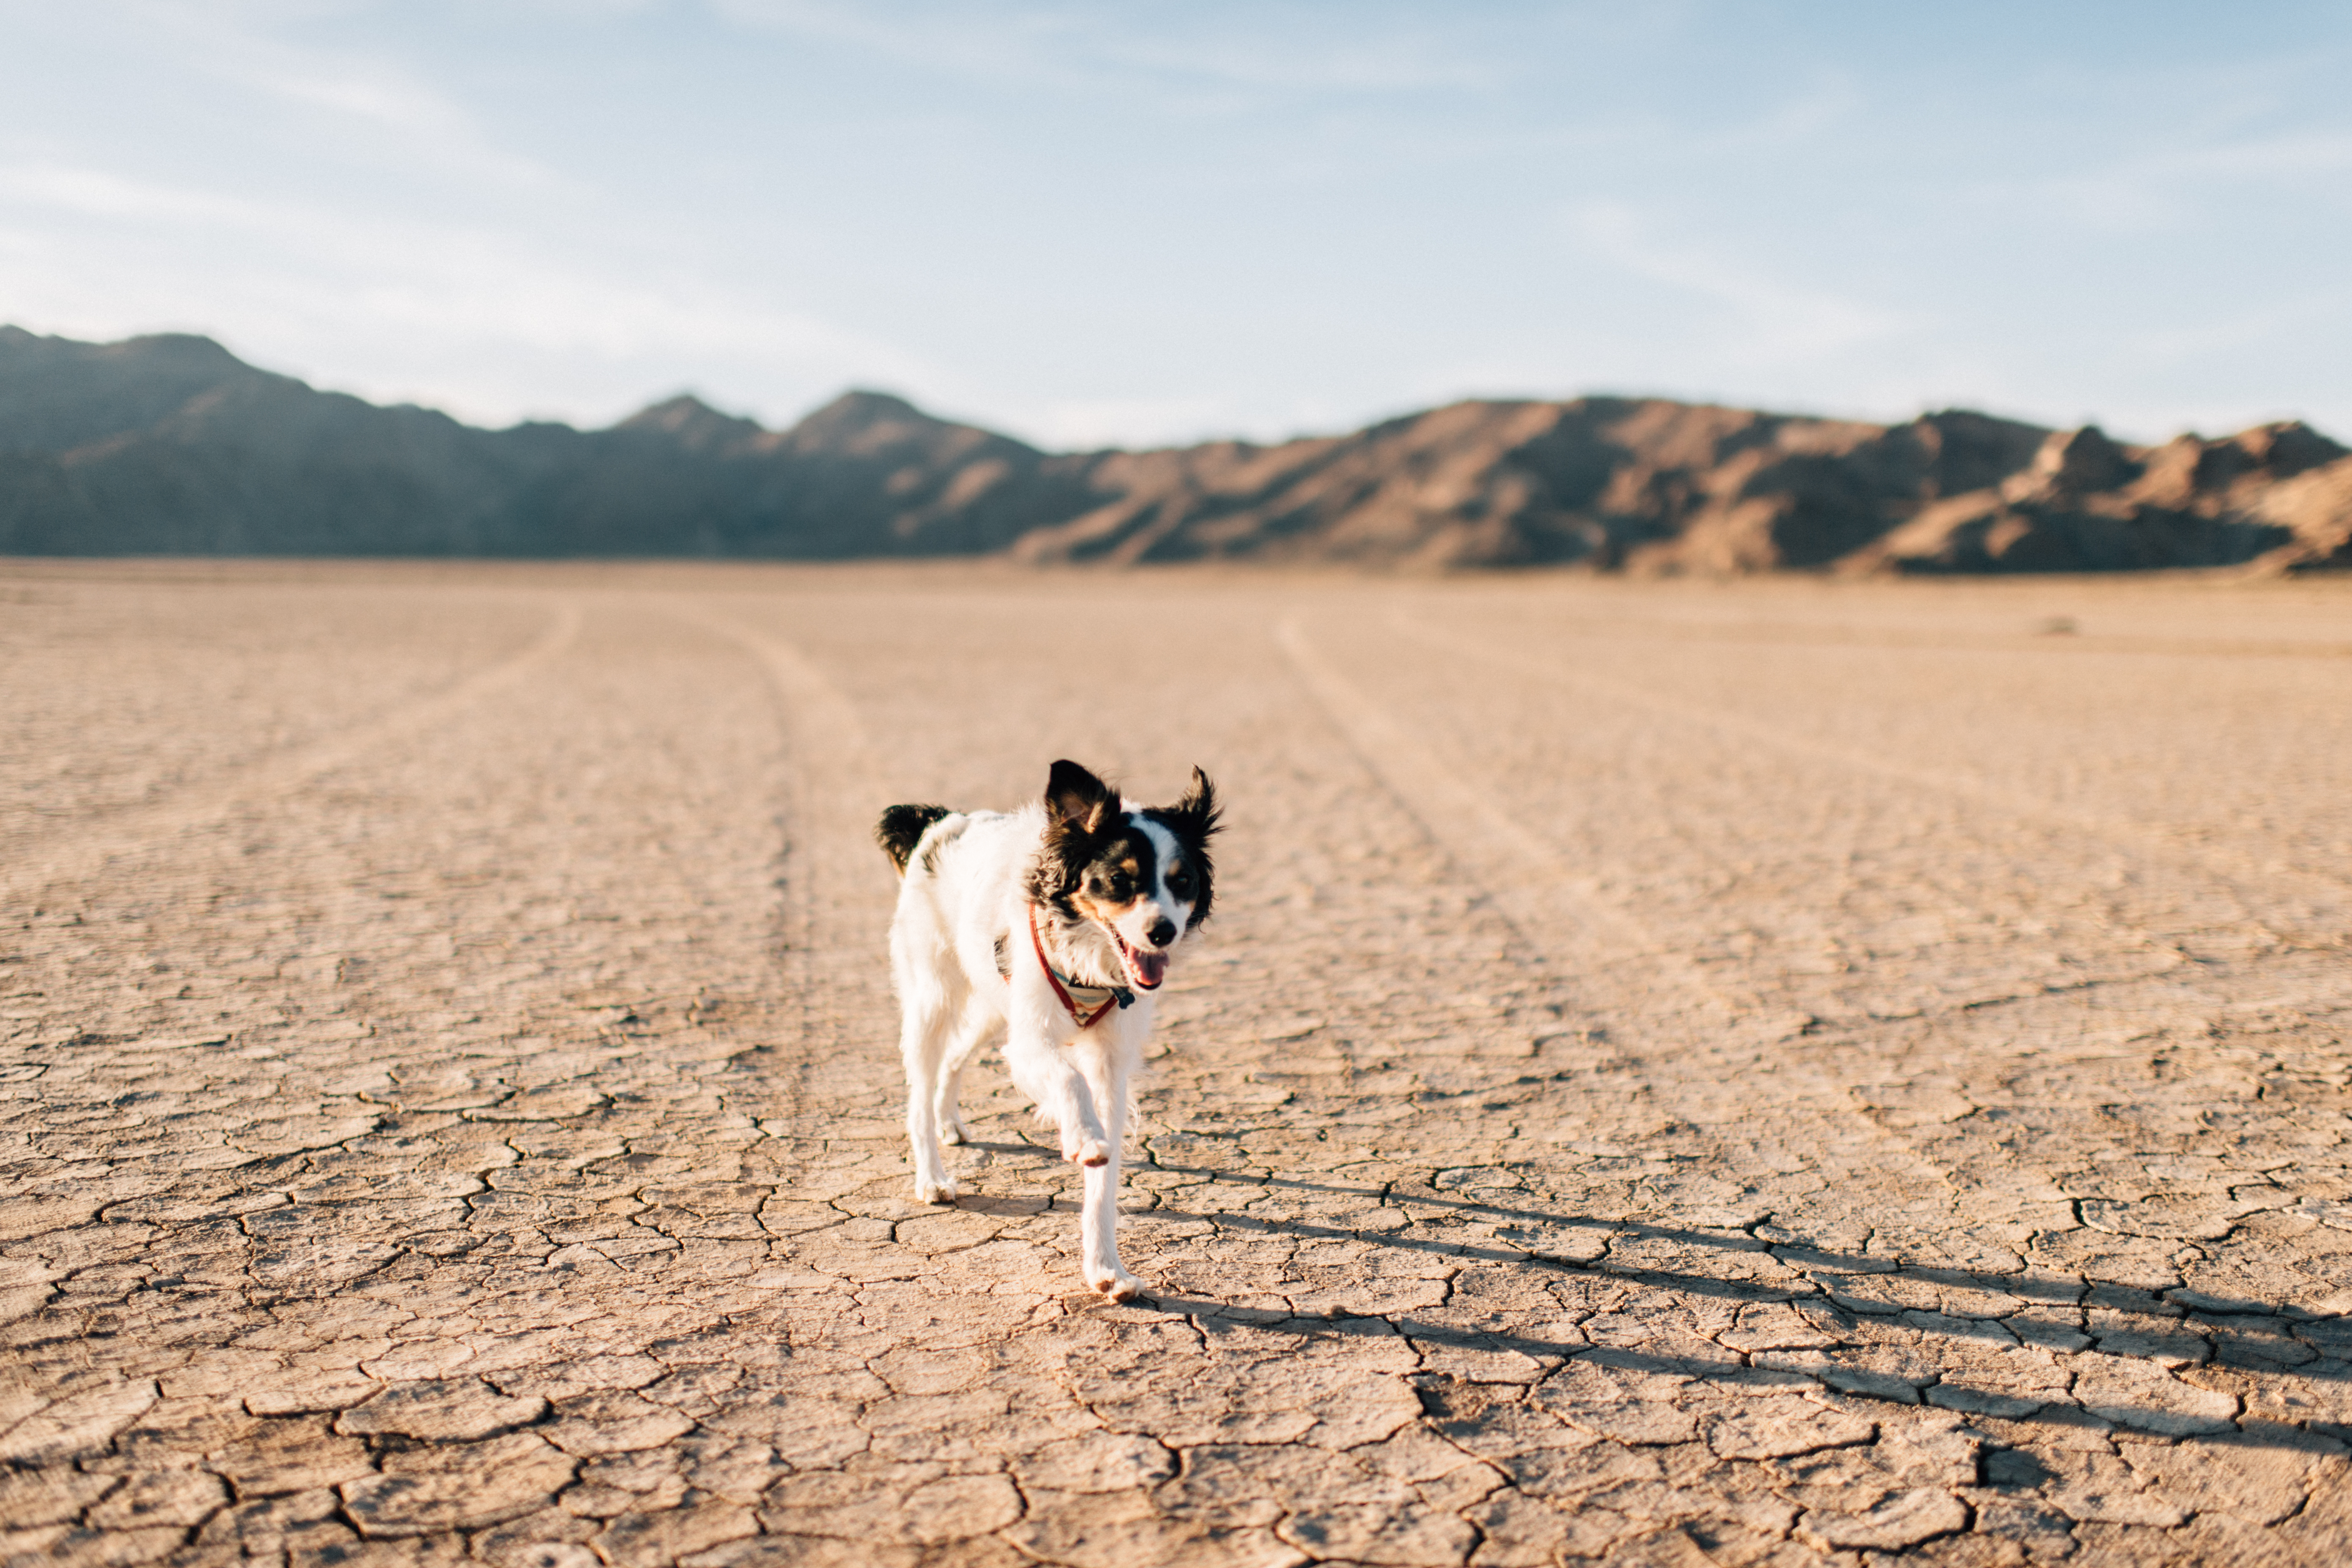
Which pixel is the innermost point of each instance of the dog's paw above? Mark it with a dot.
(954, 1131)
(1087, 1152)
(1115, 1284)
(942, 1191)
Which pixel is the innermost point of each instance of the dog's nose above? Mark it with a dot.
(1163, 931)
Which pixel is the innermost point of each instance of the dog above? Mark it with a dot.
(1058, 921)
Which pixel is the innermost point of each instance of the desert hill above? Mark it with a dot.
(171, 445)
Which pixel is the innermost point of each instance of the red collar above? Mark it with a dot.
(1119, 995)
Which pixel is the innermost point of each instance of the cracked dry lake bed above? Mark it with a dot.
(1765, 1073)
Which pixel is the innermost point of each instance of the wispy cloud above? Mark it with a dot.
(2269, 321)
(252, 47)
(1266, 48)
(1080, 424)
(309, 270)
(2296, 157)
(1776, 319)
(104, 194)
(2173, 188)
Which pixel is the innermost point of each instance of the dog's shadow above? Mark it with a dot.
(1012, 1147)
(1003, 1205)
(1018, 1161)
(2256, 1342)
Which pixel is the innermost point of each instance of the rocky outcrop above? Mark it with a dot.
(2087, 504)
(867, 475)
(1648, 486)
(173, 446)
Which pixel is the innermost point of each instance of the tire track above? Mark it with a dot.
(1700, 1059)
(2135, 836)
(826, 887)
(2132, 840)
(77, 853)
(1553, 907)
(2126, 934)
(1814, 1080)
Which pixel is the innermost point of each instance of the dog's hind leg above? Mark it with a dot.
(947, 1107)
(923, 1041)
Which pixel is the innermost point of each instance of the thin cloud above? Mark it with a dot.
(329, 272)
(2273, 320)
(246, 47)
(1780, 321)
(104, 194)
(1087, 47)
(1090, 424)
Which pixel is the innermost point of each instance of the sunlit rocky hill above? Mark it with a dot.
(172, 446)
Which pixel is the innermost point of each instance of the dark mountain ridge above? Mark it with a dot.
(173, 446)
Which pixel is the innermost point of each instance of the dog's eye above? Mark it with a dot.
(1180, 884)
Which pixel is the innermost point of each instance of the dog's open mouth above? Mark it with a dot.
(1146, 967)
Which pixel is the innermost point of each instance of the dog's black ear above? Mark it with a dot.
(1196, 816)
(1076, 798)
(1193, 819)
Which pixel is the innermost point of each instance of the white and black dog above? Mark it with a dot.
(1056, 920)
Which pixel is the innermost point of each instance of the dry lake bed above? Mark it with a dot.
(1680, 1073)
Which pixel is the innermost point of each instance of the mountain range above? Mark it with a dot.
(172, 446)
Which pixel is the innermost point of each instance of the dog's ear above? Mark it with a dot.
(1196, 816)
(1076, 798)
(1078, 804)
(1193, 819)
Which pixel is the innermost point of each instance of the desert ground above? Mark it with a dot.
(1680, 1073)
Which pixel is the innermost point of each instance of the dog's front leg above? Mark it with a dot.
(1047, 1075)
(1098, 1219)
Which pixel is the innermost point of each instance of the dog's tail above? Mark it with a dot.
(902, 827)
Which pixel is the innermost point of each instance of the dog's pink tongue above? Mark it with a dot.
(1151, 968)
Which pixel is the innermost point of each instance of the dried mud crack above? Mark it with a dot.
(1779, 1074)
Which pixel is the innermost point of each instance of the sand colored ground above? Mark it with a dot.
(1680, 1074)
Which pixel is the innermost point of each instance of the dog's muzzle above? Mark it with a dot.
(1147, 966)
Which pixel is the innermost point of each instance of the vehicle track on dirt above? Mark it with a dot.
(29, 868)
(2139, 838)
(1552, 905)
(826, 862)
(2141, 934)
(1711, 1031)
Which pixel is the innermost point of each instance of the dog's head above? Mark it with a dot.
(1143, 875)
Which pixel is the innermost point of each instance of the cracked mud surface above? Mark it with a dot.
(1766, 1074)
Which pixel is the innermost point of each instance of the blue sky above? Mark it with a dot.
(1089, 224)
